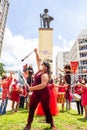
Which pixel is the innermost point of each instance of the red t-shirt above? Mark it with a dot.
(5, 87)
(61, 88)
(78, 90)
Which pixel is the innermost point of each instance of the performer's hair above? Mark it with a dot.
(48, 68)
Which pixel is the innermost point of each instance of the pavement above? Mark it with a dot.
(8, 105)
(73, 105)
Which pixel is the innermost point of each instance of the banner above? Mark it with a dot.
(74, 66)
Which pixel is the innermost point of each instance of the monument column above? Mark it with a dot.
(46, 44)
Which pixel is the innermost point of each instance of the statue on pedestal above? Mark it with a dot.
(45, 19)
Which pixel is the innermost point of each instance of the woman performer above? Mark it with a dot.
(67, 70)
(53, 100)
(84, 95)
(78, 90)
(62, 87)
(15, 97)
(40, 93)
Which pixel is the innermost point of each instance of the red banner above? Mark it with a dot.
(74, 66)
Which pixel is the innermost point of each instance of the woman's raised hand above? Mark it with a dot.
(35, 50)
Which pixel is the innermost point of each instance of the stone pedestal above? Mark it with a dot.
(46, 45)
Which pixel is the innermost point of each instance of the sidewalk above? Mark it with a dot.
(73, 105)
(8, 105)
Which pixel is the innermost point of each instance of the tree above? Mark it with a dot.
(2, 69)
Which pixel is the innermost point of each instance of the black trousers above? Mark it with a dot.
(79, 107)
(22, 100)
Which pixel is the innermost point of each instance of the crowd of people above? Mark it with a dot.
(42, 93)
(13, 91)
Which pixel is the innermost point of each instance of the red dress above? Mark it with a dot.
(15, 93)
(84, 96)
(61, 94)
(53, 102)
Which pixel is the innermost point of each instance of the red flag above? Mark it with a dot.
(74, 66)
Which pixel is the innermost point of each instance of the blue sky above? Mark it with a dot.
(23, 22)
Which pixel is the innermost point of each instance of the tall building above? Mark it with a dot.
(78, 52)
(62, 59)
(4, 6)
(74, 52)
(59, 62)
(66, 59)
(81, 44)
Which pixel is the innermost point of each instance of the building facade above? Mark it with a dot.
(4, 6)
(82, 51)
(78, 52)
(62, 59)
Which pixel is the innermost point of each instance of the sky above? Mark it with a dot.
(23, 23)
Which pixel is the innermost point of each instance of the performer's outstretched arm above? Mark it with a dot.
(38, 60)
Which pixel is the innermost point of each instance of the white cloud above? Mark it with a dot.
(60, 37)
(15, 48)
(64, 44)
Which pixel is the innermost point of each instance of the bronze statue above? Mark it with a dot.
(45, 19)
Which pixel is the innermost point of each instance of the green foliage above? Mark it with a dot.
(63, 121)
(2, 69)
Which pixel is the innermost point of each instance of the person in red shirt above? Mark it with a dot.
(15, 91)
(83, 84)
(23, 95)
(62, 93)
(67, 77)
(5, 83)
(78, 91)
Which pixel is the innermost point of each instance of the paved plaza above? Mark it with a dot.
(73, 105)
